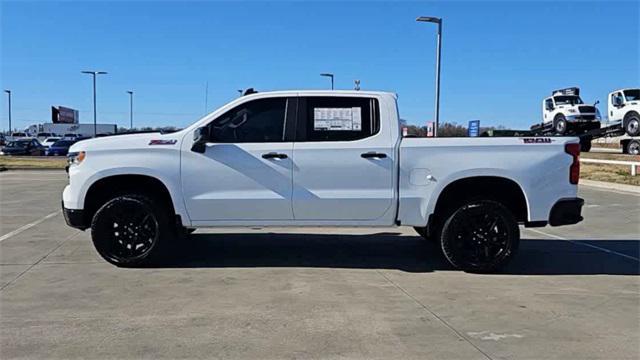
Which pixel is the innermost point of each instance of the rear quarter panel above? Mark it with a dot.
(427, 166)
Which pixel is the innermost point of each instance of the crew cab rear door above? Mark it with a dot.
(343, 162)
(244, 173)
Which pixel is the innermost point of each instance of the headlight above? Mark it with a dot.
(75, 158)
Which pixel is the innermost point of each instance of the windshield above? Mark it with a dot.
(19, 143)
(63, 143)
(567, 100)
(51, 140)
(631, 95)
(18, 134)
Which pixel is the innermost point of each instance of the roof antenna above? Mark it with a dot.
(357, 87)
(249, 91)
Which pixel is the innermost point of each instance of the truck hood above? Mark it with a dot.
(129, 141)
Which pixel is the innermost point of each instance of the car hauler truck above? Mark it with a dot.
(318, 158)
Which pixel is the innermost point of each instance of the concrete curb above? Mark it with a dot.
(29, 168)
(611, 186)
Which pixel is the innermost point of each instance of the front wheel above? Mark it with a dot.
(560, 125)
(131, 230)
(632, 124)
(480, 236)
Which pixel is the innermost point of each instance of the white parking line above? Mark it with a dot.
(28, 226)
(584, 244)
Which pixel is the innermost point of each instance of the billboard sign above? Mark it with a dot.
(64, 115)
(474, 128)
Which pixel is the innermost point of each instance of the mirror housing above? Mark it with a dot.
(200, 139)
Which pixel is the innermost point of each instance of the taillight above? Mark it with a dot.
(574, 170)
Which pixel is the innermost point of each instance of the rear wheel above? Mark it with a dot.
(480, 236)
(633, 147)
(632, 124)
(131, 230)
(560, 124)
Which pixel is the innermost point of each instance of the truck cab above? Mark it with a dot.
(564, 112)
(623, 107)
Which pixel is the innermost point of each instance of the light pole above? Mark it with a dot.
(9, 93)
(328, 75)
(95, 122)
(130, 109)
(438, 21)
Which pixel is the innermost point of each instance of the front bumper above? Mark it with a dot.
(74, 218)
(566, 212)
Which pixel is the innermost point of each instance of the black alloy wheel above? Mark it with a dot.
(480, 236)
(129, 231)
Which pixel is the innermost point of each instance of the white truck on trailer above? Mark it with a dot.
(564, 113)
(623, 109)
(318, 158)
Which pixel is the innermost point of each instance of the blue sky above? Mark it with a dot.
(499, 58)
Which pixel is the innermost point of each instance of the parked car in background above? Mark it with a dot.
(50, 141)
(59, 148)
(27, 146)
(3, 140)
(18, 135)
(43, 135)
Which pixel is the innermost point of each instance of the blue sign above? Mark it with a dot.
(474, 128)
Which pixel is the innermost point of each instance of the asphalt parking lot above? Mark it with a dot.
(571, 293)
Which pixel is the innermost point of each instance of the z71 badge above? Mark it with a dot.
(163, 142)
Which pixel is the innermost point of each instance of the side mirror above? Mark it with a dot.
(200, 139)
(596, 103)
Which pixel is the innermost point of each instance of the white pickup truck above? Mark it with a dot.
(318, 158)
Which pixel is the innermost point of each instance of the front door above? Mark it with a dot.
(245, 172)
(343, 163)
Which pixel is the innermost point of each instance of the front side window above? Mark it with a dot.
(548, 104)
(259, 120)
(616, 99)
(336, 118)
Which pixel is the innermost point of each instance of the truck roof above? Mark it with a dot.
(624, 90)
(325, 93)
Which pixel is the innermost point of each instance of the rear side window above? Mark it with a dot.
(334, 118)
(259, 121)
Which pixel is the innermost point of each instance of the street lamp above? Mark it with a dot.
(94, 73)
(9, 94)
(328, 75)
(438, 21)
(130, 109)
